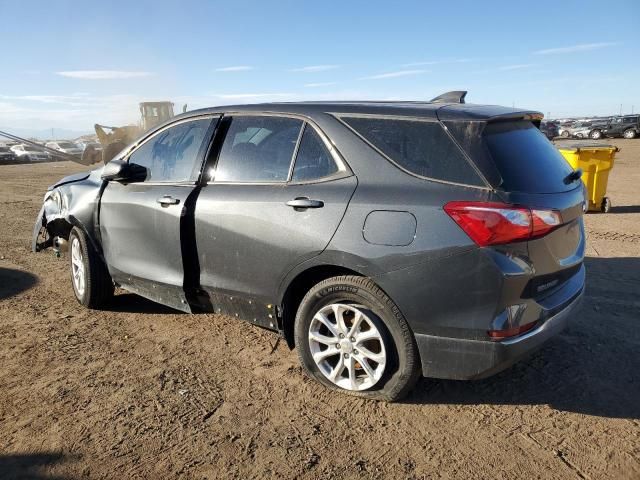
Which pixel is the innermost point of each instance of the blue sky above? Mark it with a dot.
(69, 64)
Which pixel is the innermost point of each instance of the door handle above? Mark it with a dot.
(304, 202)
(167, 200)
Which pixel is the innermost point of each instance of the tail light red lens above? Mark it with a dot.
(510, 332)
(492, 223)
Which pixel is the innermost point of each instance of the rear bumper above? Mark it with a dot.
(464, 359)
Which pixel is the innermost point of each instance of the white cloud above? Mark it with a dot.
(575, 48)
(517, 67)
(76, 111)
(75, 100)
(236, 68)
(437, 62)
(315, 68)
(399, 73)
(319, 84)
(103, 74)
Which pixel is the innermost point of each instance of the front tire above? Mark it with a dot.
(92, 284)
(351, 337)
(40, 238)
(596, 135)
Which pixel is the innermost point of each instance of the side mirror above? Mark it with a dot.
(121, 171)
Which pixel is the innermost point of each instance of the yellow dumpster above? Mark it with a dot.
(596, 161)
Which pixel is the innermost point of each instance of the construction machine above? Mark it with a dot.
(114, 139)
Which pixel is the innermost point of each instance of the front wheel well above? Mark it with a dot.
(298, 288)
(59, 227)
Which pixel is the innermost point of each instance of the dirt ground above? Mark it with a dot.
(142, 391)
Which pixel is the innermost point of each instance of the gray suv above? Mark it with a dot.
(382, 240)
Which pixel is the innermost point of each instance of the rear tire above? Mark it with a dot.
(387, 364)
(605, 207)
(630, 133)
(92, 284)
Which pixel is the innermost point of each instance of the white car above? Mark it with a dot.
(577, 130)
(581, 132)
(30, 153)
(65, 147)
(83, 144)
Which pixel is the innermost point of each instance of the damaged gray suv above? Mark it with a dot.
(382, 240)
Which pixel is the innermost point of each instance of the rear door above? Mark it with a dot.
(141, 223)
(275, 199)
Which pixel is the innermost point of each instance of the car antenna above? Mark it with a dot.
(455, 96)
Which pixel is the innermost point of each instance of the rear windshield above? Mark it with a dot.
(525, 159)
(420, 147)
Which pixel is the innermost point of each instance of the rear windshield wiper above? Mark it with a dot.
(573, 176)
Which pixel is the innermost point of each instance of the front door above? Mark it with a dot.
(141, 223)
(276, 198)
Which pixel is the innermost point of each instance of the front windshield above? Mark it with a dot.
(66, 145)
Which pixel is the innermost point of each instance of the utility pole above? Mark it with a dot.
(621, 109)
(52, 137)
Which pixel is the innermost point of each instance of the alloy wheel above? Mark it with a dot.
(347, 347)
(77, 267)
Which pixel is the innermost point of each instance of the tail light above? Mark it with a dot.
(511, 332)
(492, 223)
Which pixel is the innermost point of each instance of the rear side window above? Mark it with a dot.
(313, 160)
(422, 148)
(526, 160)
(258, 149)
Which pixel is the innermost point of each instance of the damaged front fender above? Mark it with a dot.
(71, 202)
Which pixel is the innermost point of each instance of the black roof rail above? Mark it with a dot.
(456, 96)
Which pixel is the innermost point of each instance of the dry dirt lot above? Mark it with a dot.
(141, 391)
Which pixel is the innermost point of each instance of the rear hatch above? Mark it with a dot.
(527, 170)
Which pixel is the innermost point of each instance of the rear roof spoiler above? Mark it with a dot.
(455, 96)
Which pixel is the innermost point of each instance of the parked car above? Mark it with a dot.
(30, 153)
(627, 126)
(550, 129)
(83, 144)
(6, 155)
(365, 235)
(65, 147)
(581, 130)
(563, 129)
